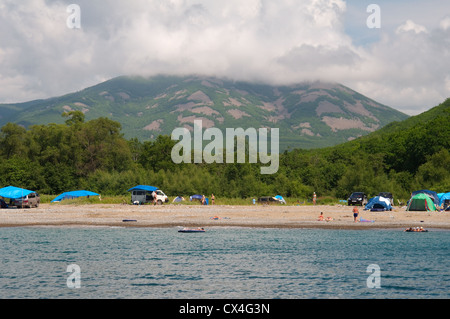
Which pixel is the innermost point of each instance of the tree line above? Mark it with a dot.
(94, 155)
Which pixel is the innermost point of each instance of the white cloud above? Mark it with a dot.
(279, 41)
(409, 25)
(445, 23)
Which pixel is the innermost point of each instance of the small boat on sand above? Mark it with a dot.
(192, 230)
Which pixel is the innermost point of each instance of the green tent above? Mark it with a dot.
(421, 202)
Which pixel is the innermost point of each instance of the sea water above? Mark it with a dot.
(223, 262)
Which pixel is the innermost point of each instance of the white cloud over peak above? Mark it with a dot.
(275, 41)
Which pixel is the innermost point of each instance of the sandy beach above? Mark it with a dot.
(169, 215)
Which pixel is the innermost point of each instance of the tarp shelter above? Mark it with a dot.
(281, 199)
(199, 197)
(74, 194)
(421, 202)
(378, 203)
(443, 197)
(143, 188)
(14, 192)
(433, 195)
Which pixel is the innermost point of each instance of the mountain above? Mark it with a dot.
(308, 115)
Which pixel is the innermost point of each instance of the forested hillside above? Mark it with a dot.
(402, 157)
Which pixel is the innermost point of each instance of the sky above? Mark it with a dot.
(397, 52)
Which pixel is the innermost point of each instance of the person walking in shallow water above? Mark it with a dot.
(355, 213)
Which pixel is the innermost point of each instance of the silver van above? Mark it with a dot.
(30, 200)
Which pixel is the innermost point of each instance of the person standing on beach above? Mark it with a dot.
(154, 197)
(314, 198)
(355, 213)
(212, 199)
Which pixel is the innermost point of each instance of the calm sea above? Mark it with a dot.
(222, 263)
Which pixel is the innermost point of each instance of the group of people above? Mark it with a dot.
(355, 216)
(203, 200)
(321, 218)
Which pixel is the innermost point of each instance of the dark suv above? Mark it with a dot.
(357, 198)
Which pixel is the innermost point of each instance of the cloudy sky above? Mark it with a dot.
(405, 63)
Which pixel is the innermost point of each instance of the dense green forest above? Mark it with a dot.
(94, 155)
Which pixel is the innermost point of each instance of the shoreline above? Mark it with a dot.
(255, 216)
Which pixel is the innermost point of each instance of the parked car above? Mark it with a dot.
(29, 200)
(388, 196)
(357, 198)
(3, 204)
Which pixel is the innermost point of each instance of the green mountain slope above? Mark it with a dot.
(309, 115)
(400, 158)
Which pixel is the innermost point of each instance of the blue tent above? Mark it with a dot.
(443, 197)
(178, 199)
(73, 194)
(14, 192)
(143, 188)
(378, 203)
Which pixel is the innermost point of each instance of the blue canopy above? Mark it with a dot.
(14, 192)
(378, 202)
(143, 188)
(73, 194)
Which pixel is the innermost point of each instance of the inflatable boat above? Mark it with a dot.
(416, 230)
